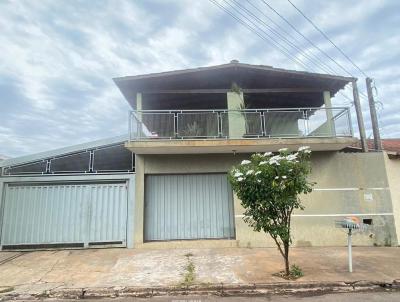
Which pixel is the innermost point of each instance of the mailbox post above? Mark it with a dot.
(351, 224)
(349, 247)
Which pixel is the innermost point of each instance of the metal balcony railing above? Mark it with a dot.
(231, 124)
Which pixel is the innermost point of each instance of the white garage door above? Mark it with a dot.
(192, 206)
(64, 215)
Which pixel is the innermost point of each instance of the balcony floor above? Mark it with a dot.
(185, 146)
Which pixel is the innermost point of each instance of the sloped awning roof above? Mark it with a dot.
(222, 76)
(61, 151)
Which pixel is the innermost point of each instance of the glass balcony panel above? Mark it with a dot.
(321, 122)
(156, 125)
(198, 125)
(241, 124)
(342, 123)
(284, 123)
(291, 122)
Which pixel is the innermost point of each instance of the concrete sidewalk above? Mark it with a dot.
(37, 272)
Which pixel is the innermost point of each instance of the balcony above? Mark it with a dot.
(250, 130)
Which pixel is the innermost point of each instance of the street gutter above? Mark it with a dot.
(276, 288)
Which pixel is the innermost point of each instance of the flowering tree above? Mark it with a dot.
(268, 186)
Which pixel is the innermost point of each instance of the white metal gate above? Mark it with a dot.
(191, 206)
(64, 215)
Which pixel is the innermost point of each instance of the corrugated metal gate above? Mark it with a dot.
(64, 215)
(195, 206)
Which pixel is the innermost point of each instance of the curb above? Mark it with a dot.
(277, 288)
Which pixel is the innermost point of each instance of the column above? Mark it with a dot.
(236, 120)
(330, 129)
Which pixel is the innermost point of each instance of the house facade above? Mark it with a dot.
(165, 185)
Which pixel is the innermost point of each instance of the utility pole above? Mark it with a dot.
(374, 118)
(360, 120)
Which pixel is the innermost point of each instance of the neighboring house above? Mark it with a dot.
(187, 129)
(70, 197)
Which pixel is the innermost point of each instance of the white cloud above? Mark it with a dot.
(58, 58)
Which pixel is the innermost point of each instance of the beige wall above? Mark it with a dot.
(393, 173)
(347, 183)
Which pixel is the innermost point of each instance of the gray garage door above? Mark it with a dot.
(64, 215)
(195, 206)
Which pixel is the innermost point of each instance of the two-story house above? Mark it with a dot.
(165, 185)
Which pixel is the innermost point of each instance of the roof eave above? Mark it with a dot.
(208, 68)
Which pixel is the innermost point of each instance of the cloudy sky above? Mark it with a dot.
(58, 57)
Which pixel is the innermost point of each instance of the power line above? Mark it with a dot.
(326, 37)
(270, 37)
(320, 64)
(312, 43)
(291, 36)
(243, 8)
(307, 39)
(267, 39)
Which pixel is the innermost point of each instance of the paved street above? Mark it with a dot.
(346, 297)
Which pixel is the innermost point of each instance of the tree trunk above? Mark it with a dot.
(286, 250)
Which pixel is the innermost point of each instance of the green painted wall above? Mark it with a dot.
(348, 183)
(393, 173)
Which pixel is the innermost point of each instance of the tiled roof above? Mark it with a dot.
(389, 144)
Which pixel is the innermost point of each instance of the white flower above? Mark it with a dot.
(245, 162)
(267, 153)
(240, 178)
(290, 170)
(258, 172)
(263, 163)
(249, 172)
(307, 151)
(291, 157)
(237, 174)
(274, 160)
(276, 177)
(258, 180)
(283, 150)
(302, 148)
(284, 177)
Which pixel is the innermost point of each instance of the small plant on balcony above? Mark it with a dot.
(193, 130)
(269, 187)
(236, 88)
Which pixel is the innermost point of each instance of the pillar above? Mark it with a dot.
(360, 119)
(236, 120)
(139, 107)
(329, 113)
(374, 117)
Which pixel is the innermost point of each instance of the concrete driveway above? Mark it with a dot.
(35, 272)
